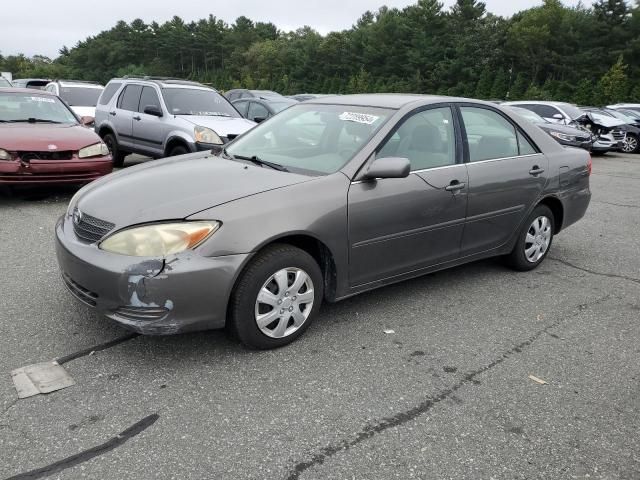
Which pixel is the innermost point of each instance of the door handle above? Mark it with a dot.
(536, 170)
(455, 186)
(113, 114)
(137, 118)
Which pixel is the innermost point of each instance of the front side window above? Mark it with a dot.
(198, 102)
(257, 111)
(130, 98)
(149, 98)
(318, 139)
(427, 139)
(80, 96)
(489, 134)
(242, 107)
(33, 108)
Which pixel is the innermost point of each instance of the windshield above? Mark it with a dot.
(312, 138)
(4, 82)
(80, 96)
(632, 114)
(27, 107)
(620, 116)
(196, 101)
(277, 107)
(529, 115)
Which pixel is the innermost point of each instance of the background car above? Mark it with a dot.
(564, 134)
(629, 125)
(162, 117)
(35, 83)
(628, 106)
(81, 96)
(239, 93)
(42, 141)
(303, 97)
(4, 83)
(260, 109)
(256, 239)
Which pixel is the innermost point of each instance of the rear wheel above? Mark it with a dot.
(631, 144)
(276, 298)
(117, 154)
(534, 240)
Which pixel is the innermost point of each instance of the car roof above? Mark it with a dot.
(163, 82)
(27, 90)
(387, 100)
(78, 83)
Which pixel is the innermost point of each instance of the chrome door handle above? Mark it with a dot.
(455, 186)
(536, 170)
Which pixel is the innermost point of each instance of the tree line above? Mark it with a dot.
(586, 55)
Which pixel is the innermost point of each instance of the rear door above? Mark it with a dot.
(507, 175)
(400, 225)
(149, 131)
(122, 115)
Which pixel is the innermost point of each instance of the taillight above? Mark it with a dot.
(589, 165)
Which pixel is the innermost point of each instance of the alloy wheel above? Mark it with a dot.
(538, 239)
(630, 144)
(284, 302)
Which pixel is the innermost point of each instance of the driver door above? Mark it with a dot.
(400, 225)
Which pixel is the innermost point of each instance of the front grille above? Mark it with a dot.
(90, 229)
(618, 134)
(62, 155)
(84, 295)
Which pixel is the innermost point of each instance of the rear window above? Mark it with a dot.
(109, 92)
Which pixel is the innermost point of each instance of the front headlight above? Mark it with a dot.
(206, 135)
(4, 155)
(97, 150)
(159, 240)
(563, 136)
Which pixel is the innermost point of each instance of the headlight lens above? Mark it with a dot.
(206, 135)
(159, 240)
(563, 136)
(97, 150)
(4, 155)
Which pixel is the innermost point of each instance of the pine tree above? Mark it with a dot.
(614, 83)
(485, 83)
(519, 87)
(500, 85)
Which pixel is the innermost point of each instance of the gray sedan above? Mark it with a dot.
(328, 199)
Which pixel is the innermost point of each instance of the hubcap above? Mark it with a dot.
(630, 144)
(538, 239)
(284, 302)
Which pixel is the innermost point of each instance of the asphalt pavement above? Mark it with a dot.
(447, 395)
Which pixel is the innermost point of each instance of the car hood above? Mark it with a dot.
(40, 137)
(176, 188)
(567, 130)
(223, 126)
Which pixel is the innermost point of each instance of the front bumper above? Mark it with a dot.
(184, 292)
(34, 172)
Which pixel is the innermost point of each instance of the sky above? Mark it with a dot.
(43, 27)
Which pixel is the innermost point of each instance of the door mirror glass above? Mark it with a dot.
(388, 167)
(153, 110)
(87, 120)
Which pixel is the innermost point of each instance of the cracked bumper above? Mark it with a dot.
(184, 292)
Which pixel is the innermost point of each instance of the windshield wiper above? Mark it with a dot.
(256, 160)
(31, 120)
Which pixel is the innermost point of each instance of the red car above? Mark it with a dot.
(43, 141)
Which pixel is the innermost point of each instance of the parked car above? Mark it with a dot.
(42, 141)
(238, 93)
(161, 117)
(4, 83)
(303, 97)
(564, 134)
(631, 142)
(390, 187)
(258, 110)
(35, 83)
(563, 113)
(81, 96)
(627, 106)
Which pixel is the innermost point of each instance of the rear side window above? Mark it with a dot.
(149, 98)
(109, 92)
(130, 98)
(545, 111)
(489, 134)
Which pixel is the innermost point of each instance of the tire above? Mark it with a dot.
(261, 280)
(631, 144)
(178, 150)
(117, 154)
(522, 258)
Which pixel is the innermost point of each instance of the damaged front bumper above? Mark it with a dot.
(184, 292)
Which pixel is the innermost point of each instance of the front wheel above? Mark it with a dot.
(276, 298)
(112, 144)
(630, 144)
(534, 240)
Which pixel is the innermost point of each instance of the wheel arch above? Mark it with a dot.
(557, 208)
(175, 141)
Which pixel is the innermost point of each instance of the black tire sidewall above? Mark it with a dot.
(517, 258)
(242, 322)
(178, 150)
(116, 154)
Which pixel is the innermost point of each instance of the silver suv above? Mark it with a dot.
(161, 117)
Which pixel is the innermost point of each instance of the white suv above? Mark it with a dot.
(162, 117)
(81, 96)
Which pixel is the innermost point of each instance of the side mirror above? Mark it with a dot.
(558, 116)
(259, 119)
(390, 167)
(87, 120)
(153, 110)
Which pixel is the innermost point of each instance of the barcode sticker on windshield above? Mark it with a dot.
(358, 118)
(42, 99)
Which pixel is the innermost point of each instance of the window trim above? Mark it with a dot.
(467, 159)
